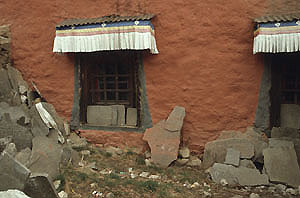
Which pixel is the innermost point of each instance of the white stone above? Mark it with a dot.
(62, 194)
(132, 175)
(56, 184)
(280, 187)
(148, 162)
(206, 194)
(144, 174)
(291, 191)
(195, 184)
(254, 195)
(223, 182)
(154, 177)
(85, 152)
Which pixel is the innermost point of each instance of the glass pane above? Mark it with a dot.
(110, 85)
(100, 83)
(290, 82)
(100, 69)
(123, 85)
(123, 95)
(288, 97)
(123, 79)
(123, 69)
(110, 69)
(110, 79)
(111, 95)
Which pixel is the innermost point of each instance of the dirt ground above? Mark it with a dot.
(119, 176)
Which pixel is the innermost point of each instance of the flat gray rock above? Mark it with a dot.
(281, 165)
(247, 163)
(278, 132)
(237, 176)
(215, 151)
(24, 156)
(45, 156)
(232, 157)
(12, 172)
(40, 186)
(279, 143)
(21, 135)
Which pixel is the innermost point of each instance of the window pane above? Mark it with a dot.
(123, 69)
(110, 69)
(111, 95)
(100, 83)
(288, 97)
(100, 70)
(123, 95)
(111, 85)
(123, 85)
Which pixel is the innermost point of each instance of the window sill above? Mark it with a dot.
(112, 128)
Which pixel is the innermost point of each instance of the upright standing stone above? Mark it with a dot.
(175, 119)
(13, 194)
(13, 175)
(100, 115)
(120, 111)
(131, 117)
(281, 164)
(164, 144)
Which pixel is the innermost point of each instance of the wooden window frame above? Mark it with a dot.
(86, 79)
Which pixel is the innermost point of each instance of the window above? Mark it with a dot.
(290, 84)
(109, 84)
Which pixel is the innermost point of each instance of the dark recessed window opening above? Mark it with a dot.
(290, 84)
(109, 82)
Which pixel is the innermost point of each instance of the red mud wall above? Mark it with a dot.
(205, 62)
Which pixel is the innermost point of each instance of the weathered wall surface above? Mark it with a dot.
(205, 62)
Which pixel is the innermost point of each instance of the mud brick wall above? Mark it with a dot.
(4, 46)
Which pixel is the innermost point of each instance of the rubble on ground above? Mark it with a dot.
(252, 159)
(32, 134)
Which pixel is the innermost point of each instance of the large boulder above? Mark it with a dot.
(13, 175)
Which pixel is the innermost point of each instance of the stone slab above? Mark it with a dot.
(232, 157)
(281, 165)
(100, 115)
(163, 143)
(247, 163)
(289, 115)
(279, 143)
(120, 112)
(237, 176)
(131, 117)
(24, 156)
(215, 151)
(45, 156)
(12, 172)
(16, 113)
(175, 119)
(21, 135)
(279, 132)
(40, 186)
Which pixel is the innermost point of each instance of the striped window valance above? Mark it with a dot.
(131, 33)
(276, 37)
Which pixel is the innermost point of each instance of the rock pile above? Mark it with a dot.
(32, 135)
(252, 159)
